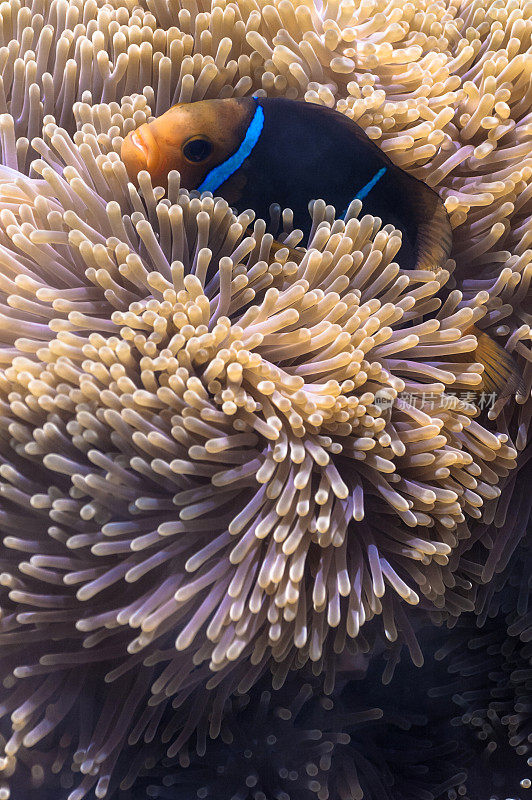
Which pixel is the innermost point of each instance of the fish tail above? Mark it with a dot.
(295, 255)
(501, 374)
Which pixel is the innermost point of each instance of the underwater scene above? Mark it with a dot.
(265, 399)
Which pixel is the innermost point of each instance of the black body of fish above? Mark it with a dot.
(306, 151)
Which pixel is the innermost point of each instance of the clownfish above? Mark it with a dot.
(257, 151)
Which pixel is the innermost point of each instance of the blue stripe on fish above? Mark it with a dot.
(367, 188)
(214, 179)
(370, 184)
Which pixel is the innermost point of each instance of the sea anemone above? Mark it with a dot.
(490, 659)
(442, 87)
(485, 560)
(271, 745)
(488, 652)
(206, 468)
(492, 669)
(298, 744)
(195, 421)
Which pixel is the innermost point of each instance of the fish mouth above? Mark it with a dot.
(141, 150)
(137, 141)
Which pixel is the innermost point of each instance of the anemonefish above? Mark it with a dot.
(259, 151)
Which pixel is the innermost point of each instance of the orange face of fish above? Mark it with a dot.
(192, 138)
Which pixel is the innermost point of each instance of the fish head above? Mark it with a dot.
(192, 138)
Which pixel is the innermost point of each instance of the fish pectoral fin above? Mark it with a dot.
(293, 253)
(501, 374)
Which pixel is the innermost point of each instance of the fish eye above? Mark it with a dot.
(197, 149)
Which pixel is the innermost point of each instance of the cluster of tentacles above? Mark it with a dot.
(217, 540)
